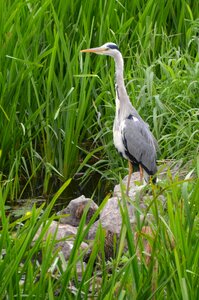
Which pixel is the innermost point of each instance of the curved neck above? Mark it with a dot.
(123, 103)
(119, 77)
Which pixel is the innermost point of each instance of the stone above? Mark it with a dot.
(66, 247)
(65, 236)
(63, 230)
(75, 210)
(110, 219)
(110, 216)
(135, 186)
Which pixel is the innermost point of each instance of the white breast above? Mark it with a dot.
(117, 137)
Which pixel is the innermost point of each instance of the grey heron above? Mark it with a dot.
(131, 135)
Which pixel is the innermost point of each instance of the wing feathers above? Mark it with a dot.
(139, 143)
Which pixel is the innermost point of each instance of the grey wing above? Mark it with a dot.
(153, 138)
(139, 143)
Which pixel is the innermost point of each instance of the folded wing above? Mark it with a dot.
(140, 144)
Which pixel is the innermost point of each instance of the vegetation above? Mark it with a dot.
(56, 114)
(170, 272)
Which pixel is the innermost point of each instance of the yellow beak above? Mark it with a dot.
(95, 50)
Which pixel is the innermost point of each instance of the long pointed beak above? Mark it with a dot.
(99, 50)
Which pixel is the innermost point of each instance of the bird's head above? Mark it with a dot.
(109, 49)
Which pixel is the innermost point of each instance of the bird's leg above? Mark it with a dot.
(141, 173)
(129, 177)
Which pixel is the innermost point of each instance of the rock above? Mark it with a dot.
(67, 246)
(75, 209)
(92, 231)
(63, 230)
(111, 221)
(110, 236)
(65, 236)
(111, 218)
(80, 269)
(135, 186)
(109, 245)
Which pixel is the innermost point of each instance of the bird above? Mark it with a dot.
(131, 134)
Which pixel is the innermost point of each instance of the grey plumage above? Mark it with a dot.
(131, 135)
(138, 143)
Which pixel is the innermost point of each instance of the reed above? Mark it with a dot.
(169, 271)
(56, 115)
(49, 106)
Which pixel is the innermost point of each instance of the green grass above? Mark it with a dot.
(56, 105)
(56, 114)
(170, 273)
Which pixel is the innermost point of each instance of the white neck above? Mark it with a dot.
(119, 70)
(123, 103)
(122, 99)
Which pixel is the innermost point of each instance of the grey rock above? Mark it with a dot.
(61, 230)
(135, 186)
(93, 230)
(75, 210)
(111, 218)
(66, 247)
(65, 236)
